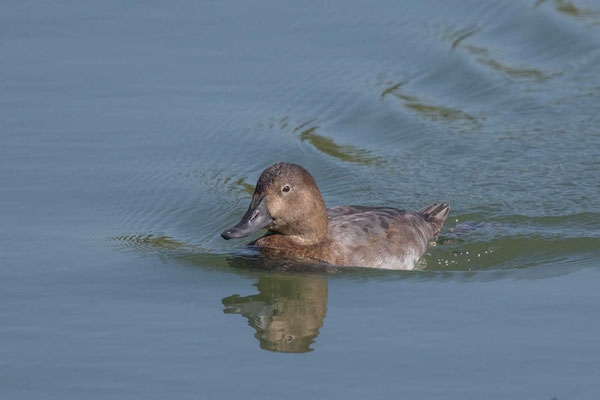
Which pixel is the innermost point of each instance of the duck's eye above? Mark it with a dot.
(286, 188)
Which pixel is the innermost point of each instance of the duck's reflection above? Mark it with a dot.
(287, 313)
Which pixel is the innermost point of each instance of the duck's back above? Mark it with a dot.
(382, 237)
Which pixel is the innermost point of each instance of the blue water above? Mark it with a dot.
(132, 134)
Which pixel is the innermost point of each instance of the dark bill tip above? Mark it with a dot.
(230, 234)
(256, 218)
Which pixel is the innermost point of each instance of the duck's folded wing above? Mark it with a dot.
(363, 223)
(391, 237)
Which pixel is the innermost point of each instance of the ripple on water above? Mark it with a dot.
(459, 118)
(429, 111)
(570, 9)
(511, 252)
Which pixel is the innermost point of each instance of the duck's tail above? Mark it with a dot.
(436, 215)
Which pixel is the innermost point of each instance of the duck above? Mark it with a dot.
(288, 204)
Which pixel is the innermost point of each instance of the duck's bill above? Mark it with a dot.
(256, 218)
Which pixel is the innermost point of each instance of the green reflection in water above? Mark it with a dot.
(436, 113)
(234, 185)
(306, 131)
(148, 241)
(425, 109)
(482, 55)
(341, 152)
(464, 34)
(457, 36)
(569, 8)
(287, 313)
(244, 186)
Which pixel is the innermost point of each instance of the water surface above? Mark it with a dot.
(133, 133)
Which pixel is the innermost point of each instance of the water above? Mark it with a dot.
(132, 134)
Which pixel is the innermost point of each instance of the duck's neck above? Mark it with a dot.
(309, 228)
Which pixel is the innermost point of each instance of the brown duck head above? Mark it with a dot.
(286, 201)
